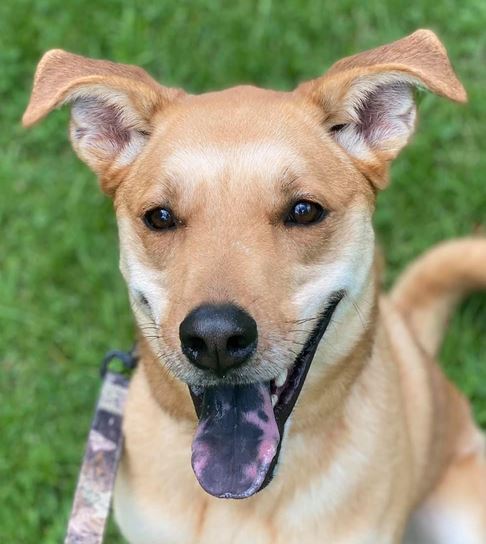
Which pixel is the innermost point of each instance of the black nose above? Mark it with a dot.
(218, 337)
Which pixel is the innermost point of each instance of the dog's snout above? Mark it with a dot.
(218, 337)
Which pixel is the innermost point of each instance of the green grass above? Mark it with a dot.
(62, 302)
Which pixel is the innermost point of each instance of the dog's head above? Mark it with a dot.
(245, 224)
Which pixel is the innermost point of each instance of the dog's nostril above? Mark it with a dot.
(196, 345)
(237, 343)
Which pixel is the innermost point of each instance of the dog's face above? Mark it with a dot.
(245, 224)
(242, 198)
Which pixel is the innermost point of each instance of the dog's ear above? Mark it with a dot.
(367, 100)
(112, 108)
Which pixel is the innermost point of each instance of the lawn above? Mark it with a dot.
(62, 301)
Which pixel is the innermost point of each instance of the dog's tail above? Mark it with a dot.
(428, 291)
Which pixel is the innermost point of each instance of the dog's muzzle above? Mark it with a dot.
(238, 438)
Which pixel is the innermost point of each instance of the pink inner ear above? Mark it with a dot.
(104, 131)
(383, 119)
(100, 123)
(387, 113)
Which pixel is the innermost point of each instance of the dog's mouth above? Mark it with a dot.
(238, 439)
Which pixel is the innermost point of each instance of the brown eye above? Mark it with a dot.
(159, 219)
(305, 213)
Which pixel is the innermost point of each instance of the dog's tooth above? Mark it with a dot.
(281, 378)
(274, 400)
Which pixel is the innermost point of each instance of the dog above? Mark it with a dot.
(272, 370)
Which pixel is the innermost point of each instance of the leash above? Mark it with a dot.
(92, 498)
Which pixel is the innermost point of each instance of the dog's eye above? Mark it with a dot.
(305, 212)
(159, 219)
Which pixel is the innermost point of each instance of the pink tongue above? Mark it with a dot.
(235, 441)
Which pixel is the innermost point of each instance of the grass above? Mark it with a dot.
(62, 302)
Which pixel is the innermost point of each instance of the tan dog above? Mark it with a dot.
(246, 237)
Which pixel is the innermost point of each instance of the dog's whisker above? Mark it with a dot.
(304, 320)
(148, 327)
(358, 312)
(299, 330)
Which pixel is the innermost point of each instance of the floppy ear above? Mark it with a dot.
(112, 108)
(367, 100)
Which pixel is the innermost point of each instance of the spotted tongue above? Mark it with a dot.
(235, 441)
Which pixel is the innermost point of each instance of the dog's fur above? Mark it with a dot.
(380, 447)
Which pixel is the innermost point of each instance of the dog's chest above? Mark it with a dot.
(167, 520)
(158, 499)
(166, 506)
(193, 521)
